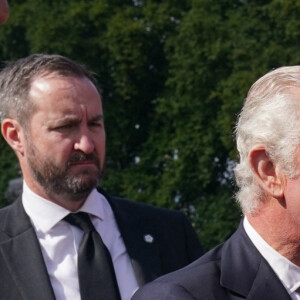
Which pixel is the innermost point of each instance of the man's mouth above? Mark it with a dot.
(79, 158)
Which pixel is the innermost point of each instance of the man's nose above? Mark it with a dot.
(84, 143)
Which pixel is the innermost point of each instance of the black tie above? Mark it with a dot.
(97, 279)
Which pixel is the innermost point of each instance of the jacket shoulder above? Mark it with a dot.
(147, 209)
(198, 280)
(171, 228)
(168, 222)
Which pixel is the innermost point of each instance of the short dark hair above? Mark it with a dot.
(16, 79)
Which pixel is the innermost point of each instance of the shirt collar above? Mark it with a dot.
(288, 273)
(45, 214)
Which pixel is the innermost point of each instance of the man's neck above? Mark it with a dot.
(279, 231)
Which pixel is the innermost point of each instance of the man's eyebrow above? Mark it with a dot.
(73, 119)
(64, 119)
(96, 118)
(67, 118)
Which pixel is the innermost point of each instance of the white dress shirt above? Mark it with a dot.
(60, 241)
(287, 272)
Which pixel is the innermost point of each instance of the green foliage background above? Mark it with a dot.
(174, 75)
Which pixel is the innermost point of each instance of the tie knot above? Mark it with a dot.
(80, 220)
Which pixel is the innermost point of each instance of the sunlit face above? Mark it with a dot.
(292, 193)
(65, 142)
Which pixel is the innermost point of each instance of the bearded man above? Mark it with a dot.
(64, 238)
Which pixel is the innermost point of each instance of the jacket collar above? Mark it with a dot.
(245, 272)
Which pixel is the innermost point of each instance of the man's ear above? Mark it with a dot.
(13, 132)
(266, 172)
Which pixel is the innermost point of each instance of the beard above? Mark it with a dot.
(59, 180)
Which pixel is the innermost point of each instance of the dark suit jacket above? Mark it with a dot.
(23, 274)
(233, 270)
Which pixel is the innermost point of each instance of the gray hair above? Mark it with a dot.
(270, 116)
(16, 79)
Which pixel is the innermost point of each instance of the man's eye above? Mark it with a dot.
(96, 125)
(63, 127)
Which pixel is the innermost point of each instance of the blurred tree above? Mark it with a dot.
(174, 75)
(218, 50)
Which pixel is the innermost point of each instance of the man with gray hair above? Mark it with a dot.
(261, 260)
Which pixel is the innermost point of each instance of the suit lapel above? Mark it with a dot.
(267, 285)
(245, 272)
(21, 252)
(140, 238)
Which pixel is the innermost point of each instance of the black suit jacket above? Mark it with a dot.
(23, 273)
(233, 270)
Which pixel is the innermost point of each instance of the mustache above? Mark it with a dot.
(80, 156)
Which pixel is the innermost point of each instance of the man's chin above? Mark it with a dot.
(77, 191)
(83, 183)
